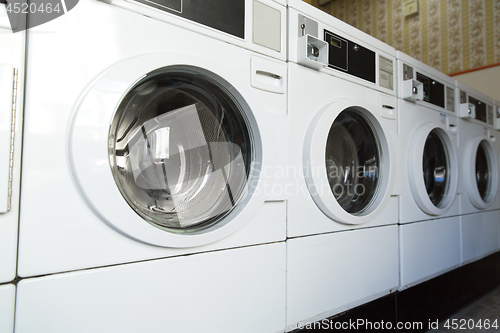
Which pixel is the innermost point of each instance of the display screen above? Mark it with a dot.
(433, 90)
(335, 42)
(224, 15)
(350, 57)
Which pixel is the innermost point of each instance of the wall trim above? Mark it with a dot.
(475, 69)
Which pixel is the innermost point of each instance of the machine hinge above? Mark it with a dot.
(12, 136)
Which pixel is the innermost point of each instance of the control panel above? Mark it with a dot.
(350, 57)
(480, 109)
(433, 91)
(224, 15)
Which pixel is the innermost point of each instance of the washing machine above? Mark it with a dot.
(7, 307)
(496, 111)
(429, 201)
(11, 109)
(342, 246)
(144, 145)
(479, 158)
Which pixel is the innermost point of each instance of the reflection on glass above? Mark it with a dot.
(180, 150)
(353, 161)
(483, 171)
(435, 167)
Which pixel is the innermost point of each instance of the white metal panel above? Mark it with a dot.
(108, 247)
(7, 306)
(239, 290)
(266, 26)
(4, 18)
(329, 273)
(12, 52)
(428, 249)
(479, 235)
(246, 42)
(6, 107)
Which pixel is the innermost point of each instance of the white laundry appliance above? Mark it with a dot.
(12, 60)
(479, 201)
(7, 307)
(429, 201)
(342, 247)
(496, 111)
(151, 140)
(496, 117)
(480, 173)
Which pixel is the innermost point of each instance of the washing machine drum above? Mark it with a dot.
(180, 150)
(483, 179)
(435, 168)
(352, 161)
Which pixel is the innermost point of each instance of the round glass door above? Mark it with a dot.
(170, 150)
(483, 166)
(352, 161)
(480, 171)
(180, 150)
(349, 162)
(435, 167)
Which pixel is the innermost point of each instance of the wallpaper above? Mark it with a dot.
(449, 35)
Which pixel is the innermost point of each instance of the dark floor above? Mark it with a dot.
(481, 316)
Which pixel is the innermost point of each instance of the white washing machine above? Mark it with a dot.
(429, 201)
(478, 146)
(7, 307)
(480, 168)
(342, 249)
(11, 109)
(496, 111)
(154, 140)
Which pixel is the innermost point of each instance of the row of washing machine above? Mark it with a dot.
(229, 166)
(411, 165)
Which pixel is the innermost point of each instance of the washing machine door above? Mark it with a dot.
(481, 171)
(167, 149)
(348, 162)
(433, 169)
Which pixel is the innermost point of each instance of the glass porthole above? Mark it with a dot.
(483, 180)
(435, 168)
(353, 161)
(180, 150)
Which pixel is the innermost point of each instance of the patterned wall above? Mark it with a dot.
(449, 35)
